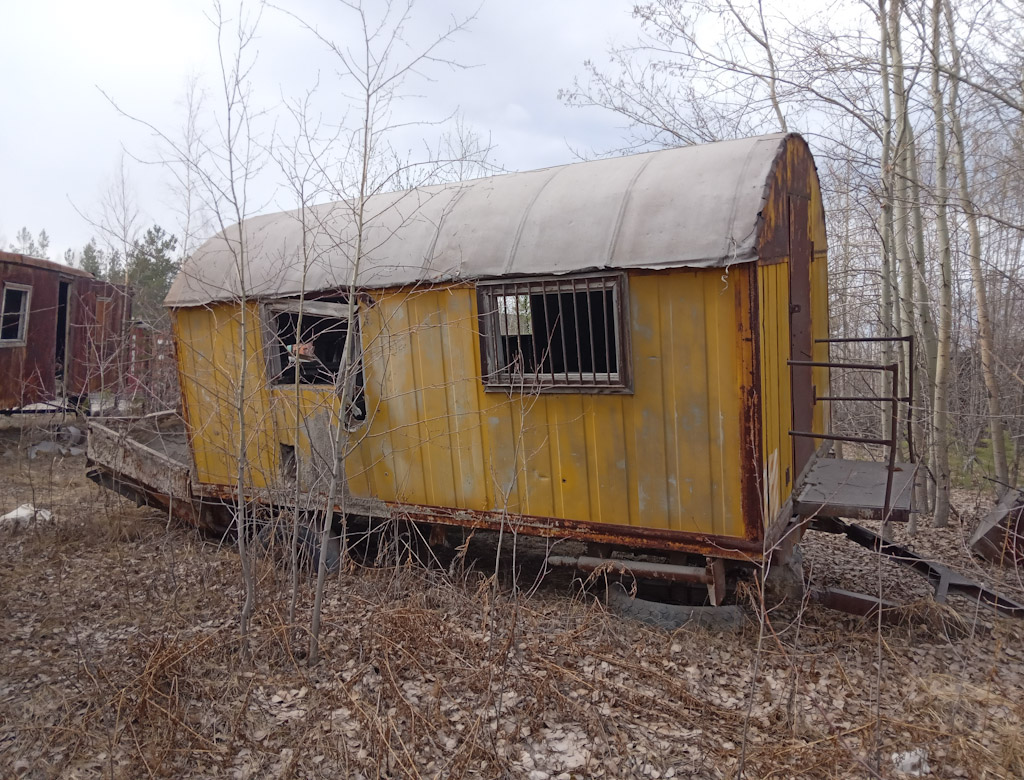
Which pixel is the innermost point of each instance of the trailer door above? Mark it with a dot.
(800, 341)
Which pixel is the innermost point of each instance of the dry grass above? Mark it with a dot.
(121, 659)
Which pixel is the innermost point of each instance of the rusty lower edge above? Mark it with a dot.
(699, 575)
(624, 536)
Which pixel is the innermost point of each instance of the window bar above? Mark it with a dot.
(590, 331)
(529, 364)
(502, 362)
(561, 328)
(576, 330)
(510, 342)
(549, 327)
(608, 294)
(492, 335)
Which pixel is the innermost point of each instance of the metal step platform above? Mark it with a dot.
(856, 489)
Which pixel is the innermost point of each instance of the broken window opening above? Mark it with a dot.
(317, 353)
(60, 346)
(14, 315)
(289, 463)
(555, 334)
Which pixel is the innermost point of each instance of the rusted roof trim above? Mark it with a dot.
(38, 262)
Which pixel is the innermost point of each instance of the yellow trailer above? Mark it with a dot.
(597, 351)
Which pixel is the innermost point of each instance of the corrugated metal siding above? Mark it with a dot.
(667, 456)
(820, 330)
(92, 358)
(27, 372)
(777, 466)
(211, 361)
(777, 472)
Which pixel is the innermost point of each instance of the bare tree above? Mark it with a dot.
(374, 71)
(985, 336)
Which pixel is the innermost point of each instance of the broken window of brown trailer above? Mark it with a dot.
(14, 314)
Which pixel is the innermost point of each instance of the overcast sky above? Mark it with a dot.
(61, 140)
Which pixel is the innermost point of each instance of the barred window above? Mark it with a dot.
(555, 334)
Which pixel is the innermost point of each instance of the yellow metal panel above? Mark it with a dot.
(200, 379)
(402, 448)
(609, 461)
(820, 330)
(648, 419)
(188, 353)
(667, 456)
(776, 408)
(725, 305)
(462, 373)
(427, 327)
(538, 464)
(377, 356)
(567, 415)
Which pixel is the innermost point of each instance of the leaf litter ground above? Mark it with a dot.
(121, 658)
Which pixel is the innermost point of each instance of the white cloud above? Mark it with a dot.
(61, 139)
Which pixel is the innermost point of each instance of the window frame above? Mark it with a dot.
(23, 315)
(315, 308)
(309, 308)
(566, 381)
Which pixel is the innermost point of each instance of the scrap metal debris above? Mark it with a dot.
(999, 537)
(24, 516)
(944, 579)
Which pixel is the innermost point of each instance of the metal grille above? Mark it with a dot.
(555, 334)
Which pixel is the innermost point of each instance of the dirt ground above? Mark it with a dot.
(120, 657)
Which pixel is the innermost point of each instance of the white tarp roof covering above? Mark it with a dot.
(697, 206)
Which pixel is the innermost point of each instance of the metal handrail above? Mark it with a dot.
(894, 399)
(908, 399)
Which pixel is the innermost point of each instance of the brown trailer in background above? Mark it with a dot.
(60, 331)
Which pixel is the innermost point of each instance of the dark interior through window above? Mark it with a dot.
(558, 332)
(13, 311)
(60, 347)
(317, 354)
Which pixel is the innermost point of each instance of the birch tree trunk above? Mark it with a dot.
(900, 191)
(985, 337)
(945, 335)
(890, 289)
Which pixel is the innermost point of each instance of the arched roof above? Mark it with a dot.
(696, 206)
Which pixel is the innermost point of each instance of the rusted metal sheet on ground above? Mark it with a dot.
(862, 605)
(944, 579)
(160, 463)
(999, 537)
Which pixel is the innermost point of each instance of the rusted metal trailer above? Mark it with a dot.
(630, 352)
(59, 333)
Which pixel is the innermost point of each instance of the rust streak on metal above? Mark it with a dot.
(637, 537)
(751, 503)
